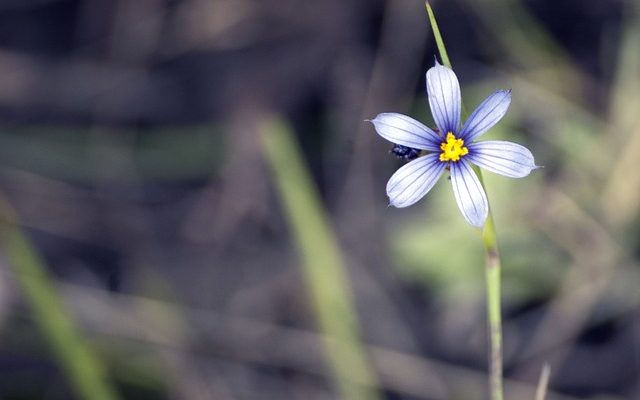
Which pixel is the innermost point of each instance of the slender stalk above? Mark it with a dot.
(492, 261)
(322, 263)
(81, 365)
(436, 34)
(494, 311)
(543, 383)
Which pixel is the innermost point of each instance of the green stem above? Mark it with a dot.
(492, 261)
(85, 372)
(322, 263)
(438, 36)
(494, 311)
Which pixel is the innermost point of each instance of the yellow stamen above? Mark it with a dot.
(452, 149)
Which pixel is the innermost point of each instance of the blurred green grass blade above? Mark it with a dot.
(76, 154)
(621, 195)
(517, 32)
(322, 263)
(81, 366)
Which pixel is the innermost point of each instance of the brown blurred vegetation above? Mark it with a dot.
(129, 149)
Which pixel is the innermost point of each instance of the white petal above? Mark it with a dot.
(504, 158)
(469, 193)
(411, 182)
(443, 90)
(486, 115)
(400, 129)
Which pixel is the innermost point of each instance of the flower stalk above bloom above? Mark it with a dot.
(452, 147)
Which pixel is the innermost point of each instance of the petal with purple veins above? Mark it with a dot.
(406, 131)
(504, 158)
(469, 193)
(443, 91)
(486, 115)
(414, 180)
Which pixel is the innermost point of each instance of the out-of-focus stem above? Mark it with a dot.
(322, 263)
(543, 383)
(76, 358)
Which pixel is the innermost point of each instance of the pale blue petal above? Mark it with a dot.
(504, 158)
(469, 193)
(400, 129)
(443, 91)
(411, 182)
(488, 113)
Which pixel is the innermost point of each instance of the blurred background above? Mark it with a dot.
(161, 238)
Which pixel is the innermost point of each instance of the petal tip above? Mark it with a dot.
(375, 121)
(505, 92)
(478, 224)
(395, 204)
(479, 217)
(469, 193)
(443, 92)
(477, 220)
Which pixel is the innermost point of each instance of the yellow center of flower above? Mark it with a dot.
(452, 148)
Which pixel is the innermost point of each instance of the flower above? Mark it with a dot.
(452, 147)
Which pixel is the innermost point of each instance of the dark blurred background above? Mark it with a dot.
(130, 153)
